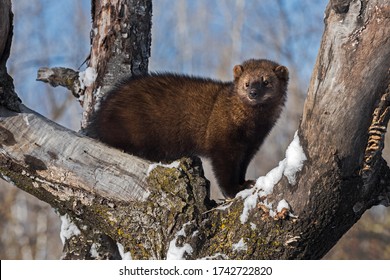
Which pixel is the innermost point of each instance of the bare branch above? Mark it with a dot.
(60, 76)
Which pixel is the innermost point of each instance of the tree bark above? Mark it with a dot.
(120, 39)
(158, 211)
(8, 96)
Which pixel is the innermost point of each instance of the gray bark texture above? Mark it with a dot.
(154, 210)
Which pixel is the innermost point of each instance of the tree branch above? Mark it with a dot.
(112, 191)
(159, 211)
(60, 76)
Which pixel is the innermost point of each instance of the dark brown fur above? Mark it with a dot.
(162, 117)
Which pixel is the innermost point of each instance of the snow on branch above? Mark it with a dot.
(289, 167)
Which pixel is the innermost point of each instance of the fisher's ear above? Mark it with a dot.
(281, 72)
(237, 71)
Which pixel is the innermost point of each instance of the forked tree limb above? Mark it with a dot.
(154, 212)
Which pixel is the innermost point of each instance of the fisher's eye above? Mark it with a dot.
(246, 84)
(266, 82)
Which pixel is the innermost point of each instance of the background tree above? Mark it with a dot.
(238, 28)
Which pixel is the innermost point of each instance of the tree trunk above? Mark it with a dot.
(158, 211)
(8, 97)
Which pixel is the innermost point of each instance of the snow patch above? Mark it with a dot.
(289, 167)
(282, 204)
(269, 206)
(87, 77)
(177, 253)
(124, 255)
(68, 228)
(174, 164)
(295, 157)
(93, 251)
(240, 245)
